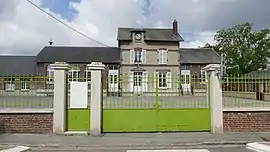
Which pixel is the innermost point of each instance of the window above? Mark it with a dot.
(74, 73)
(10, 84)
(113, 67)
(203, 76)
(137, 78)
(138, 56)
(162, 56)
(25, 84)
(162, 80)
(50, 74)
(113, 78)
(185, 67)
(87, 75)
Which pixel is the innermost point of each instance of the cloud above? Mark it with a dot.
(26, 30)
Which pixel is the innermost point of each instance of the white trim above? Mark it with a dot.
(171, 150)
(245, 109)
(258, 147)
(14, 110)
(17, 149)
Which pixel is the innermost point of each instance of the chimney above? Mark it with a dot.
(175, 27)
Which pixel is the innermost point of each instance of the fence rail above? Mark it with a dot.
(26, 92)
(242, 91)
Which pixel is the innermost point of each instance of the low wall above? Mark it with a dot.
(38, 121)
(244, 95)
(246, 120)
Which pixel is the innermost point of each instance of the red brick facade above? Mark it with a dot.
(242, 121)
(26, 123)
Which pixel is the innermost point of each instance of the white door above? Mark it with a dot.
(185, 80)
(137, 82)
(113, 81)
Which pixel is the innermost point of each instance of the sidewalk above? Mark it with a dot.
(132, 140)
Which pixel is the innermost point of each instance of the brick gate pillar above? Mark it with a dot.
(214, 95)
(96, 97)
(60, 96)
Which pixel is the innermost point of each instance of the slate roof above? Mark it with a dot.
(261, 74)
(79, 54)
(17, 65)
(198, 56)
(153, 34)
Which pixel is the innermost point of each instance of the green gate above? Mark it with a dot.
(78, 119)
(163, 107)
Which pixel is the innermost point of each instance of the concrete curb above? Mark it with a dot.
(17, 149)
(258, 147)
(210, 143)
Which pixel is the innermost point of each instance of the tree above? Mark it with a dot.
(244, 49)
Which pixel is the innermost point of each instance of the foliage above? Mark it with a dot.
(244, 49)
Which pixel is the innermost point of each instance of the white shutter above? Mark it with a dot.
(131, 86)
(143, 56)
(132, 56)
(145, 81)
(169, 80)
(155, 79)
(160, 56)
(165, 56)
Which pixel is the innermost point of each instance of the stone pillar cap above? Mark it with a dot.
(96, 66)
(211, 67)
(60, 66)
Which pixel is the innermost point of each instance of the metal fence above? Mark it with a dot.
(148, 91)
(26, 92)
(242, 91)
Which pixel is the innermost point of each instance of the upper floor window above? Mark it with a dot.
(113, 67)
(163, 56)
(87, 75)
(25, 84)
(137, 56)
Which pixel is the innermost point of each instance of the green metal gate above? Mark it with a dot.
(163, 107)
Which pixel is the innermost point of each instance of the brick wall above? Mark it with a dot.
(26, 123)
(243, 121)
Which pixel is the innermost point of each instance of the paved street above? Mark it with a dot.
(227, 142)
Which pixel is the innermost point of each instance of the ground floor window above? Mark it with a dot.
(203, 76)
(50, 74)
(162, 80)
(25, 84)
(87, 75)
(10, 84)
(137, 77)
(73, 75)
(113, 78)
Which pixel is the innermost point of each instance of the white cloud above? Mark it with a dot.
(29, 30)
(200, 40)
(26, 30)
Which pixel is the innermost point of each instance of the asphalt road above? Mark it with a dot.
(124, 149)
(134, 102)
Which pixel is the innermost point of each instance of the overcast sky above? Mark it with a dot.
(26, 30)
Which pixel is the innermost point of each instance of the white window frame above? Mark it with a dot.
(10, 81)
(203, 76)
(50, 74)
(74, 74)
(163, 56)
(87, 75)
(138, 56)
(25, 84)
(162, 76)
